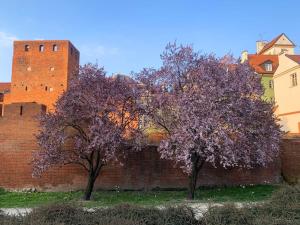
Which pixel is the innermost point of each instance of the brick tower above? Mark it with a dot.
(41, 70)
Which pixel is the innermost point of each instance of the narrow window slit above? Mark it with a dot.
(21, 110)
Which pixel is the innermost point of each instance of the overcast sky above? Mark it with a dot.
(127, 35)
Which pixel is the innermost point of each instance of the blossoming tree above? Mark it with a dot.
(94, 123)
(211, 111)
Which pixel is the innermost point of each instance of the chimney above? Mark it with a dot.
(260, 45)
(244, 56)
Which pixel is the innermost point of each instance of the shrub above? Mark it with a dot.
(151, 216)
(62, 214)
(282, 209)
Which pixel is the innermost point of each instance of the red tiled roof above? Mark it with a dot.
(271, 44)
(257, 61)
(295, 58)
(4, 87)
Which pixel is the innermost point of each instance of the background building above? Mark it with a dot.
(279, 67)
(287, 92)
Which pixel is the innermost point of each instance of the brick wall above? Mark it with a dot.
(41, 76)
(290, 158)
(142, 170)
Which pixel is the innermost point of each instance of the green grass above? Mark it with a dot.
(143, 198)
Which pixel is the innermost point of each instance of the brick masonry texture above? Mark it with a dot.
(41, 76)
(38, 79)
(142, 170)
(290, 160)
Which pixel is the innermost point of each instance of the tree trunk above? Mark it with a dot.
(90, 186)
(196, 167)
(192, 183)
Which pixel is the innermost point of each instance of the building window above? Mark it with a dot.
(26, 88)
(26, 48)
(283, 50)
(271, 84)
(294, 81)
(46, 88)
(42, 48)
(21, 110)
(71, 51)
(268, 67)
(55, 48)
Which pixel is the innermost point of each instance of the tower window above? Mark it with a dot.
(26, 48)
(42, 48)
(294, 81)
(26, 88)
(46, 88)
(55, 48)
(21, 110)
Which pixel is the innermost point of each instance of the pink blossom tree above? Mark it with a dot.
(94, 124)
(211, 111)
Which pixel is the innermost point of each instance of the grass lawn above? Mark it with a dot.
(145, 198)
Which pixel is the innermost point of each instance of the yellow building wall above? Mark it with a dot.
(290, 123)
(282, 43)
(287, 97)
(276, 50)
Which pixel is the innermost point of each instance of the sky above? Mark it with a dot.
(128, 35)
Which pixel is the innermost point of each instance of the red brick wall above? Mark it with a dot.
(142, 170)
(42, 76)
(290, 158)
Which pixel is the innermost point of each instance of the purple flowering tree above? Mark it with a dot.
(94, 123)
(211, 111)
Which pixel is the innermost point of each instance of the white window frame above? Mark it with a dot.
(268, 67)
(294, 80)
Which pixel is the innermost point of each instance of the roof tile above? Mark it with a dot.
(271, 44)
(257, 61)
(295, 58)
